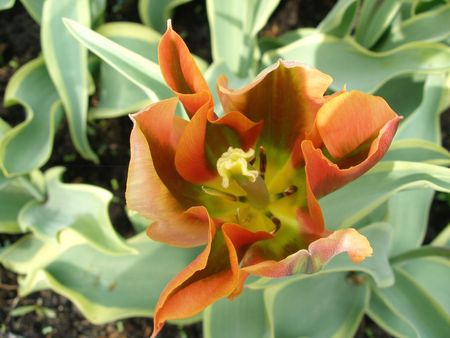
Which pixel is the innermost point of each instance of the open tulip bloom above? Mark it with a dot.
(246, 184)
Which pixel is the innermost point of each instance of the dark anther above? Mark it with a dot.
(252, 161)
(262, 161)
(292, 189)
(277, 223)
(355, 278)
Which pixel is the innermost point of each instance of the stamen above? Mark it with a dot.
(292, 189)
(233, 163)
(275, 220)
(277, 223)
(262, 161)
(222, 194)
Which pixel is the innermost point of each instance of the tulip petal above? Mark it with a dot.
(181, 72)
(286, 96)
(350, 119)
(147, 193)
(346, 240)
(319, 252)
(324, 176)
(206, 138)
(212, 275)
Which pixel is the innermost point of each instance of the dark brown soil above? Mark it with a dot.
(19, 42)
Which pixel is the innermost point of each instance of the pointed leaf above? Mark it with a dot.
(67, 66)
(339, 20)
(34, 8)
(117, 95)
(28, 145)
(12, 199)
(154, 13)
(79, 208)
(142, 72)
(428, 26)
(6, 4)
(415, 305)
(234, 25)
(443, 239)
(369, 70)
(375, 18)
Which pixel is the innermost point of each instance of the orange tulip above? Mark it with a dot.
(246, 184)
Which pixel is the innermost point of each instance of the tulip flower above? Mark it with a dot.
(246, 185)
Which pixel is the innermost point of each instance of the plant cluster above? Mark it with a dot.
(317, 140)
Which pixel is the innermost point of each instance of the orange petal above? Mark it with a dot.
(286, 96)
(324, 176)
(150, 196)
(181, 72)
(319, 252)
(206, 138)
(350, 119)
(346, 240)
(212, 275)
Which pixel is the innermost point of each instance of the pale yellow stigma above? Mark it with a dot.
(234, 163)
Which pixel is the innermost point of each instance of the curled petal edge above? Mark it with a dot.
(318, 254)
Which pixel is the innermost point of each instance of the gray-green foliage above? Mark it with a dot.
(395, 49)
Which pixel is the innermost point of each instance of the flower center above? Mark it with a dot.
(235, 164)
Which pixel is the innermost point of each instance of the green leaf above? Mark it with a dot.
(28, 145)
(6, 4)
(427, 26)
(243, 317)
(66, 62)
(423, 123)
(29, 254)
(154, 13)
(414, 304)
(350, 64)
(395, 90)
(139, 222)
(423, 251)
(416, 150)
(389, 318)
(433, 274)
(408, 213)
(375, 18)
(79, 208)
(351, 203)
(105, 287)
(117, 95)
(443, 239)
(234, 26)
(13, 197)
(296, 308)
(34, 8)
(339, 20)
(142, 72)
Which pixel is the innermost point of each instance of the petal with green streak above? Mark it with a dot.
(286, 96)
(212, 275)
(161, 198)
(326, 176)
(206, 138)
(181, 72)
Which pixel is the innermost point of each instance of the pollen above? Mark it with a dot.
(235, 163)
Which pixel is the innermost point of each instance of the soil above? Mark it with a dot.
(19, 43)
